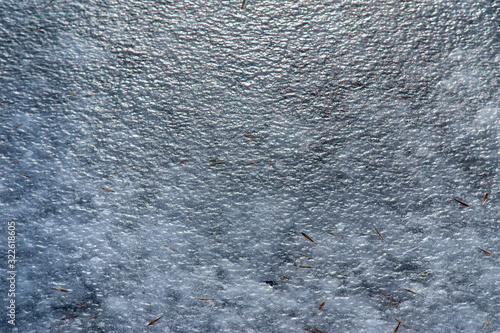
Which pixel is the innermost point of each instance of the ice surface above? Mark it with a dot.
(330, 117)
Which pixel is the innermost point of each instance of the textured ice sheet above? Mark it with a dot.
(330, 117)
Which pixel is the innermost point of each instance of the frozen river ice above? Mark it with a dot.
(293, 166)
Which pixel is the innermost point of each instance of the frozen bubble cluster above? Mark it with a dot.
(292, 166)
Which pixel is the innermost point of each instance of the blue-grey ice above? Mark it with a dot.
(165, 159)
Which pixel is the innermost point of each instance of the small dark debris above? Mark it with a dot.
(271, 283)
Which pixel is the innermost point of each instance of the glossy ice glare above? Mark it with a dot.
(163, 158)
